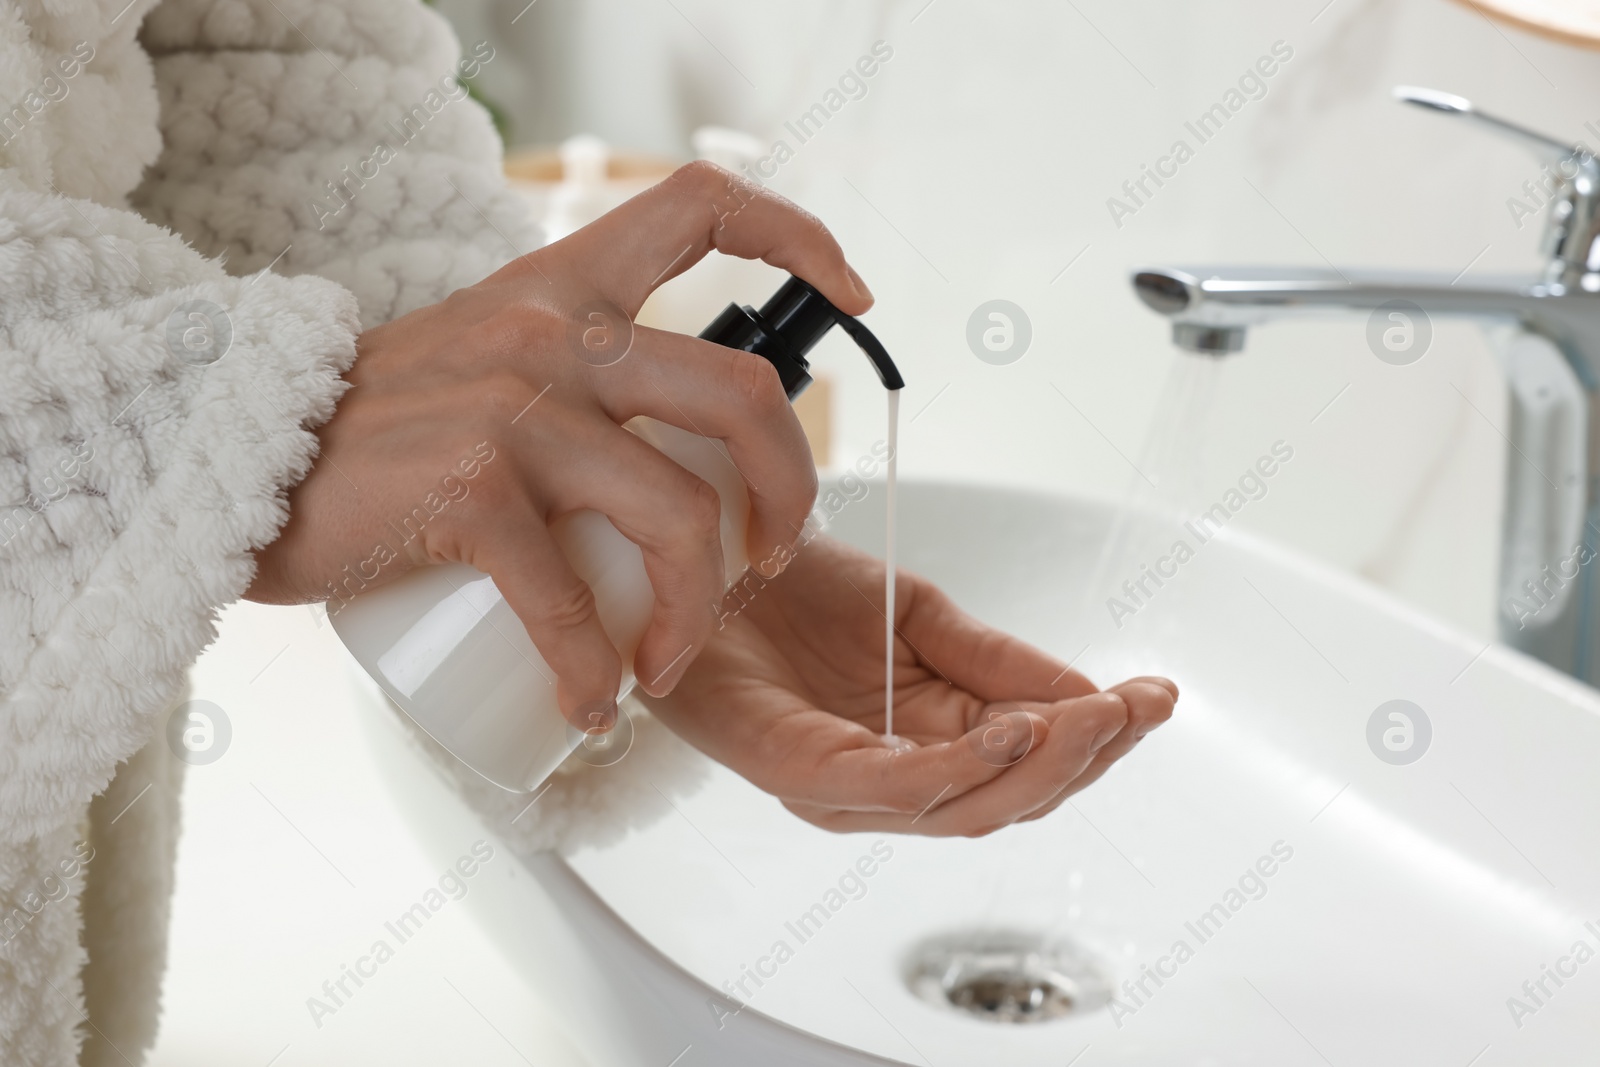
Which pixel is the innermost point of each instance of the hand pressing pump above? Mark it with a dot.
(445, 646)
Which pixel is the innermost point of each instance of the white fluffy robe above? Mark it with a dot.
(134, 485)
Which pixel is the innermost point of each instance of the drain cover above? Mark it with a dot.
(1007, 976)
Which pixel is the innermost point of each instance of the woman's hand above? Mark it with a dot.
(536, 368)
(790, 695)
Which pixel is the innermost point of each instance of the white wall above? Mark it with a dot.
(981, 160)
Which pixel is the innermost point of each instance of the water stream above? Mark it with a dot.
(1165, 480)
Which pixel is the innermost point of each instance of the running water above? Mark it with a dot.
(1164, 481)
(888, 574)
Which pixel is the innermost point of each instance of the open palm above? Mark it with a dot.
(790, 694)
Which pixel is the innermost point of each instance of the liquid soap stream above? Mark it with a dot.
(888, 574)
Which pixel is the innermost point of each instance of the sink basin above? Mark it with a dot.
(1266, 880)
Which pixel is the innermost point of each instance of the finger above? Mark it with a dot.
(1045, 772)
(798, 752)
(1091, 774)
(1075, 739)
(989, 663)
(706, 389)
(1155, 679)
(674, 518)
(670, 227)
(868, 775)
(512, 545)
(1150, 704)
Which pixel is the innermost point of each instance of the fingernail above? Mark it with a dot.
(1021, 748)
(855, 279)
(668, 679)
(597, 716)
(1104, 738)
(988, 740)
(665, 688)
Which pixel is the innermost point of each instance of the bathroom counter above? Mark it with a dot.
(291, 861)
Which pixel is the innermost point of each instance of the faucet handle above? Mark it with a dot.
(1451, 104)
(1572, 228)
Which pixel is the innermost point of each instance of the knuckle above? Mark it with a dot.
(460, 301)
(692, 523)
(757, 385)
(490, 336)
(568, 609)
(702, 178)
(702, 509)
(806, 498)
(456, 307)
(504, 396)
(704, 183)
(1112, 710)
(701, 173)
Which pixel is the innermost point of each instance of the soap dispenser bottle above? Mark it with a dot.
(447, 649)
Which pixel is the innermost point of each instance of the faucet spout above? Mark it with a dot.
(1212, 307)
(1549, 581)
(1552, 366)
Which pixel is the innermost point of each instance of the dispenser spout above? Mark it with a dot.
(788, 326)
(888, 373)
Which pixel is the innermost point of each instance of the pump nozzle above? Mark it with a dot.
(788, 326)
(888, 373)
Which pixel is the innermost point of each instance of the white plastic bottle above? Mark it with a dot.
(445, 646)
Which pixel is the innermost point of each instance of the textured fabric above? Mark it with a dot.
(133, 832)
(155, 161)
(346, 147)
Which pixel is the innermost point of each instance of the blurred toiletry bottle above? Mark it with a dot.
(567, 187)
(684, 304)
(448, 650)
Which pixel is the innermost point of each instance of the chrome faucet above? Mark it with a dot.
(1547, 333)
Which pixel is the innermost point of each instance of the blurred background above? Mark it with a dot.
(975, 164)
(978, 166)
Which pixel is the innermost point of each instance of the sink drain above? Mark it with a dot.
(1007, 976)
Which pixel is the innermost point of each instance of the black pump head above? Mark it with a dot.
(788, 326)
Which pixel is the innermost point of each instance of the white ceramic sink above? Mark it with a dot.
(1418, 898)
